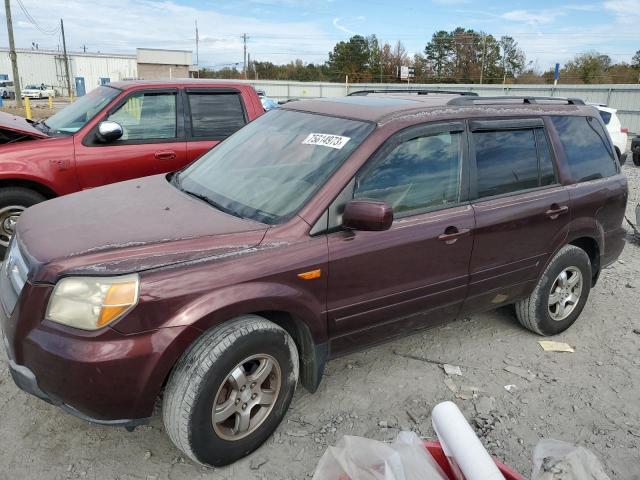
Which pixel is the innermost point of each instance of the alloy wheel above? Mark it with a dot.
(565, 293)
(246, 397)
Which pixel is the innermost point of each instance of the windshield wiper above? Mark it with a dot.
(211, 202)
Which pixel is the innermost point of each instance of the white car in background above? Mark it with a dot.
(38, 91)
(6, 88)
(618, 133)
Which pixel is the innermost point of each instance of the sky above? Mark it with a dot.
(284, 30)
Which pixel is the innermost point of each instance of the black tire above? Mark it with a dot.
(533, 312)
(621, 158)
(5, 94)
(636, 159)
(18, 197)
(205, 368)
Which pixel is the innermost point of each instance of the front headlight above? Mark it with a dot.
(91, 303)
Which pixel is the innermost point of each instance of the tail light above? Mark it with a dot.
(624, 130)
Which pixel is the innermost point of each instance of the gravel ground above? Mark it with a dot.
(589, 397)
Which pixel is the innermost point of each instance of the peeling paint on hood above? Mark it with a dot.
(131, 226)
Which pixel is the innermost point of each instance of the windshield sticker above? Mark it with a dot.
(326, 140)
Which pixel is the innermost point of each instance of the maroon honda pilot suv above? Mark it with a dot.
(319, 228)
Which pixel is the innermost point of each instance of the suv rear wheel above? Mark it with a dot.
(560, 294)
(14, 201)
(230, 390)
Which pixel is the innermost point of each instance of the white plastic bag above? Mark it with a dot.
(357, 458)
(557, 460)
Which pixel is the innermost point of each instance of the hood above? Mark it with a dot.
(17, 124)
(128, 227)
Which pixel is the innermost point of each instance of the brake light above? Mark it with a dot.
(624, 130)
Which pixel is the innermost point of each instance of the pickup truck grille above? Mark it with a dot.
(12, 277)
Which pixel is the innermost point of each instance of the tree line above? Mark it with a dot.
(459, 56)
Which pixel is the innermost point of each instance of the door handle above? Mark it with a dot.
(165, 155)
(556, 210)
(451, 235)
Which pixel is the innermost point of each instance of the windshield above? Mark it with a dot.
(73, 117)
(269, 169)
(32, 87)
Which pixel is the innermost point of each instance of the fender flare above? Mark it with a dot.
(295, 310)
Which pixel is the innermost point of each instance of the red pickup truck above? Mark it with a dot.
(117, 132)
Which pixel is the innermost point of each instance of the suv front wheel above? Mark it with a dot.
(230, 390)
(560, 295)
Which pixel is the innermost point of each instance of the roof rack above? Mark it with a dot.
(419, 91)
(512, 99)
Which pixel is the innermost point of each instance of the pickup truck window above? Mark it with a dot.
(72, 118)
(215, 115)
(147, 116)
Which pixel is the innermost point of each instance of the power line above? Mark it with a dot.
(33, 22)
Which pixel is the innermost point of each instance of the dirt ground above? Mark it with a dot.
(590, 397)
(39, 107)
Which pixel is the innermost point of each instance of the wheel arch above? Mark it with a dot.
(41, 188)
(592, 249)
(287, 307)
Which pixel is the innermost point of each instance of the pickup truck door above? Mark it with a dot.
(153, 140)
(212, 114)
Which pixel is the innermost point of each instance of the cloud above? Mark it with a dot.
(450, 2)
(532, 17)
(342, 28)
(120, 27)
(625, 11)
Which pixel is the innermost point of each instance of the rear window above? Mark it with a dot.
(606, 116)
(511, 160)
(215, 115)
(586, 147)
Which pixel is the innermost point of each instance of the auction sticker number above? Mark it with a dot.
(326, 140)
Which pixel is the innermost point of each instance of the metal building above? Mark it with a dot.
(87, 70)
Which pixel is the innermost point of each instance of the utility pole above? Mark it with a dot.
(244, 38)
(197, 41)
(484, 51)
(12, 55)
(66, 58)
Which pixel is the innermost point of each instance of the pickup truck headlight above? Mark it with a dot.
(90, 303)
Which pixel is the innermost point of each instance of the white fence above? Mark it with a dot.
(626, 98)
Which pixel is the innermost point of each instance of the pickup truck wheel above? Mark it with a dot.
(636, 158)
(560, 295)
(13, 201)
(230, 390)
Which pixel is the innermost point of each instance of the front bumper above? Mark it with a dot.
(26, 381)
(103, 377)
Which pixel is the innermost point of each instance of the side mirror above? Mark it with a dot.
(109, 131)
(367, 215)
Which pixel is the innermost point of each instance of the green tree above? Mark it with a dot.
(350, 58)
(513, 58)
(589, 67)
(439, 52)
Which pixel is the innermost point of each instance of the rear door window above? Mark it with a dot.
(215, 115)
(586, 147)
(511, 160)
